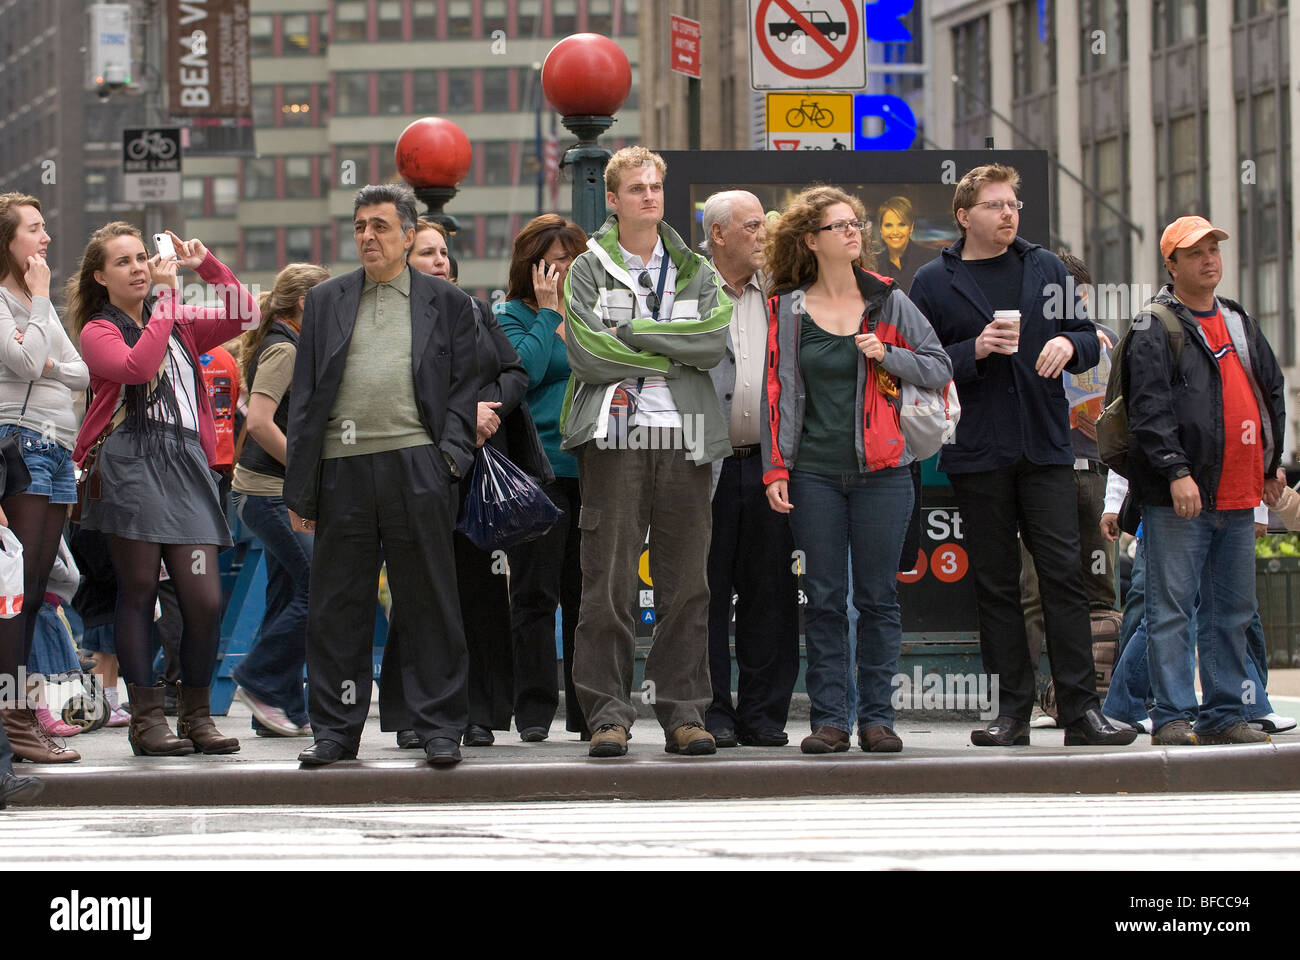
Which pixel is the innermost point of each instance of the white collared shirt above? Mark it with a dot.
(646, 401)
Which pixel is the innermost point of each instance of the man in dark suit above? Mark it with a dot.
(382, 422)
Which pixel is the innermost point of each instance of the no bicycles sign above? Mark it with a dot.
(806, 44)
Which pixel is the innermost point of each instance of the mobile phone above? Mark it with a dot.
(163, 244)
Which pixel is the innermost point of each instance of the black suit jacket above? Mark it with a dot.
(443, 361)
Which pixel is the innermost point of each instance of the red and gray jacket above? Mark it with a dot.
(912, 353)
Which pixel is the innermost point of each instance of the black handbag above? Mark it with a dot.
(15, 478)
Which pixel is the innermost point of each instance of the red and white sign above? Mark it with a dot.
(685, 47)
(806, 44)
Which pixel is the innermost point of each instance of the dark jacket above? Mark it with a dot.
(914, 258)
(1008, 412)
(443, 363)
(1175, 416)
(253, 456)
(503, 379)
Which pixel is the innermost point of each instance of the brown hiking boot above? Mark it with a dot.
(194, 721)
(608, 740)
(1239, 732)
(148, 732)
(691, 738)
(30, 741)
(1175, 733)
(826, 740)
(880, 739)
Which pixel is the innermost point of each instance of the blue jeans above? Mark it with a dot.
(1213, 555)
(865, 514)
(273, 669)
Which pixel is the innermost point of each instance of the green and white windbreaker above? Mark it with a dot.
(607, 343)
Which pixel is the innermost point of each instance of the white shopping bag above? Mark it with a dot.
(11, 574)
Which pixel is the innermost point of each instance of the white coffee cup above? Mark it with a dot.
(1011, 317)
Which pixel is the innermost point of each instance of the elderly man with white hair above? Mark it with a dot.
(751, 553)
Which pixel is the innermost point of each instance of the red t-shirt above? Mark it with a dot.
(221, 376)
(1241, 484)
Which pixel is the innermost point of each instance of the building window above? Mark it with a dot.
(390, 19)
(460, 18)
(460, 91)
(528, 17)
(1104, 35)
(259, 249)
(1244, 10)
(424, 84)
(1264, 216)
(971, 117)
(225, 196)
(352, 93)
(1034, 46)
(192, 197)
(387, 163)
(392, 92)
(260, 30)
(424, 19)
(1176, 21)
(264, 106)
(631, 14)
(496, 235)
(1106, 238)
(295, 106)
(354, 167)
(496, 90)
(345, 247)
(494, 16)
(297, 37)
(350, 20)
(297, 178)
(600, 17)
(259, 178)
(298, 244)
(496, 163)
(564, 17)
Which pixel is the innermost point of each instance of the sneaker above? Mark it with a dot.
(1239, 732)
(608, 740)
(272, 718)
(1042, 720)
(1142, 726)
(691, 738)
(118, 717)
(1146, 724)
(1175, 733)
(53, 725)
(1273, 723)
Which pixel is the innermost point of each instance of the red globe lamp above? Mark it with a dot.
(433, 155)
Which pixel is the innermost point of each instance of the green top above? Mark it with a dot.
(375, 409)
(829, 365)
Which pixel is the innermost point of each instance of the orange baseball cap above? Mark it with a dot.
(1186, 231)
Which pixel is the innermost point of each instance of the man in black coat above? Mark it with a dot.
(1012, 466)
(382, 424)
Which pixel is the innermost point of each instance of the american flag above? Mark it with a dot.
(551, 159)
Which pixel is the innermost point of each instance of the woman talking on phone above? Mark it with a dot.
(39, 370)
(839, 341)
(146, 447)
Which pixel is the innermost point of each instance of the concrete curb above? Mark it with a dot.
(165, 783)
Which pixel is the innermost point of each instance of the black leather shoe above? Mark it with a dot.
(764, 738)
(725, 737)
(324, 752)
(1092, 730)
(442, 751)
(533, 734)
(476, 736)
(1002, 732)
(18, 789)
(409, 740)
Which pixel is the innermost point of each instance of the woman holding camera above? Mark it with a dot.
(840, 339)
(147, 446)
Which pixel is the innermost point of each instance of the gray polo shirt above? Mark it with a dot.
(375, 409)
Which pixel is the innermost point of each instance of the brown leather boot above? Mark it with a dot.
(194, 721)
(30, 741)
(148, 733)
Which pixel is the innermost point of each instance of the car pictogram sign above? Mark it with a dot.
(804, 44)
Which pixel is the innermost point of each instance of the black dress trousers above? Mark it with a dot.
(752, 554)
(398, 505)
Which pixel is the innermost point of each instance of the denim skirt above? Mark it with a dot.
(160, 494)
(49, 464)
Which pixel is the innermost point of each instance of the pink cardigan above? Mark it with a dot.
(112, 363)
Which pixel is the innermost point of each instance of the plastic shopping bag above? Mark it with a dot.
(504, 505)
(11, 574)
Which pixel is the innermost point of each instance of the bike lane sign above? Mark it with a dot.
(810, 121)
(806, 44)
(151, 164)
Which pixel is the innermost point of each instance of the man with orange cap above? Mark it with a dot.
(1205, 419)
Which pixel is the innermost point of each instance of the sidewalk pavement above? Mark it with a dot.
(937, 758)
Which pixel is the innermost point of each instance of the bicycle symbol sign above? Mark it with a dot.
(151, 150)
(804, 47)
(816, 120)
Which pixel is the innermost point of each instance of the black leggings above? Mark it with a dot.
(39, 525)
(193, 570)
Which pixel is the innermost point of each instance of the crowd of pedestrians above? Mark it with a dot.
(741, 406)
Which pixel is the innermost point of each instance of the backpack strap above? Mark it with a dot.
(1173, 327)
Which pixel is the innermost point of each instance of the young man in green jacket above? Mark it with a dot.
(646, 319)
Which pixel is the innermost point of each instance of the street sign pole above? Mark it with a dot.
(693, 111)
